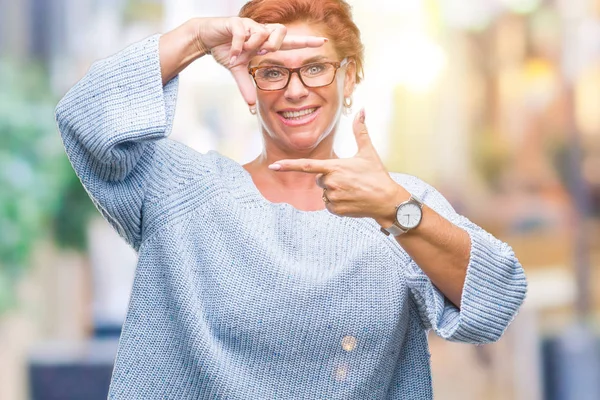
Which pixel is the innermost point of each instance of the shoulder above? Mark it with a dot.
(182, 159)
(177, 166)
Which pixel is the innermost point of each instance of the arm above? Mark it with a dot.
(110, 122)
(440, 248)
(470, 267)
(178, 49)
(455, 260)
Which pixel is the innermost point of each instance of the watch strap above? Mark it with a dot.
(393, 230)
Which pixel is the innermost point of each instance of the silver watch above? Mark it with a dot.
(408, 216)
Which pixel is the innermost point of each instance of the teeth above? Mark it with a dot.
(297, 114)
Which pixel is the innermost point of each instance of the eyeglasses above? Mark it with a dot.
(311, 75)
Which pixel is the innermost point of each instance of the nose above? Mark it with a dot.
(295, 89)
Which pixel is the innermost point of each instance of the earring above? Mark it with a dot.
(252, 109)
(347, 106)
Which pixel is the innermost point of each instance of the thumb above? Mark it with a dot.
(245, 84)
(363, 140)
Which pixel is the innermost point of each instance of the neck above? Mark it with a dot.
(292, 181)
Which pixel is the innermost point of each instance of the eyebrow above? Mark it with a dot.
(270, 61)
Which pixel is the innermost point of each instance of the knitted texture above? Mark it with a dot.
(236, 297)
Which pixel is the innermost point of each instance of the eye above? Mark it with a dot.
(271, 73)
(315, 69)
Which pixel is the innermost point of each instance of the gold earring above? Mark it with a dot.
(347, 106)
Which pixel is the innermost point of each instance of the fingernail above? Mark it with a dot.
(233, 60)
(361, 118)
(275, 167)
(262, 52)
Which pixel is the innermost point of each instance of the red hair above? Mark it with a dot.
(334, 17)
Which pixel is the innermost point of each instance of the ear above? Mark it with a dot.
(350, 78)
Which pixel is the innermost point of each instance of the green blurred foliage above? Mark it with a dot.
(40, 196)
(491, 155)
(143, 10)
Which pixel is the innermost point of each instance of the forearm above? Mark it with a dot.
(456, 260)
(178, 49)
(441, 249)
(109, 122)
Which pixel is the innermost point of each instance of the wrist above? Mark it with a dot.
(396, 195)
(196, 47)
(177, 50)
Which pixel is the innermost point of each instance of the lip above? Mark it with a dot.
(302, 121)
(298, 109)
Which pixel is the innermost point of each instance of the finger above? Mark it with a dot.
(304, 165)
(292, 42)
(244, 83)
(257, 38)
(239, 36)
(363, 140)
(275, 40)
(330, 208)
(321, 181)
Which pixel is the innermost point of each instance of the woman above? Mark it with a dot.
(274, 279)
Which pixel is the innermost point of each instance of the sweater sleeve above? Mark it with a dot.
(110, 122)
(494, 288)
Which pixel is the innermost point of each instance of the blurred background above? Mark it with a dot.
(494, 102)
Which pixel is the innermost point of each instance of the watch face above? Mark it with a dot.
(409, 215)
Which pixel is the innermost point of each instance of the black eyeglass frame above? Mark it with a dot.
(337, 65)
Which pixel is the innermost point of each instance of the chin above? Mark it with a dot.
(303, 141)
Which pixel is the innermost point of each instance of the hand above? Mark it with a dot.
(356, 187)
(234, 41)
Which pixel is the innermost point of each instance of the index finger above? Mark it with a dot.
(304, 165)
(291, 42)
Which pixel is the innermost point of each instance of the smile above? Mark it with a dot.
(297, 118)
(298, 114)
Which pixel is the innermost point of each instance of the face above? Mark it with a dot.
(317, 110)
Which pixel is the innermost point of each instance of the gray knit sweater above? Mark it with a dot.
(236, 297)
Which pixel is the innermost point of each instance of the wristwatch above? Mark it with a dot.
(408, 216)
